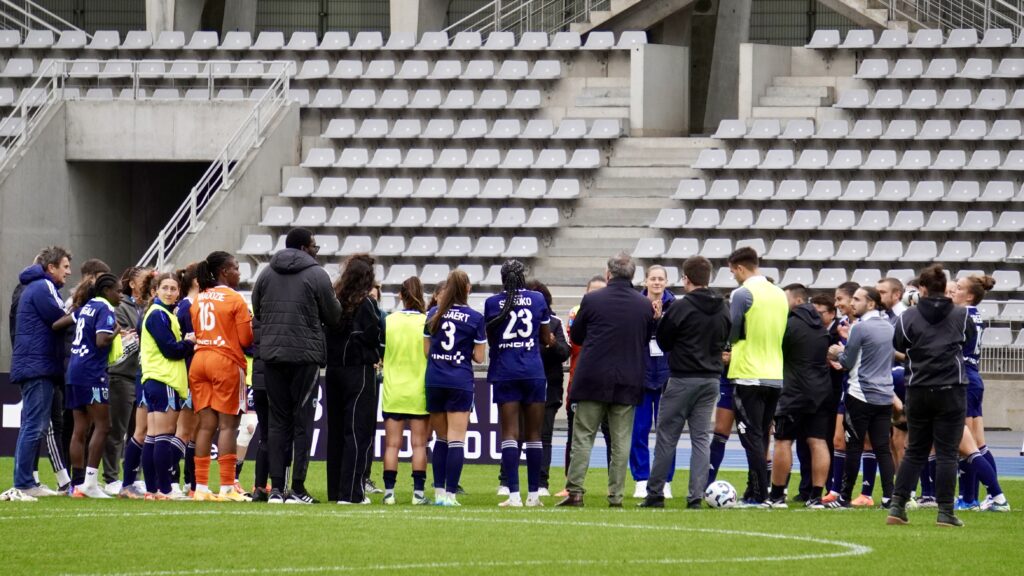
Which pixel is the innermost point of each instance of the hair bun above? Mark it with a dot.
(987, 282)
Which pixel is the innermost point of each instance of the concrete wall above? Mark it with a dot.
(151, 131)
(1004, 403)
(659, 90)
(418, 16)
(228, 219)
(759, 65)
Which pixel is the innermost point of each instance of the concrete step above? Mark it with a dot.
(653, 160)
(607, 82)
(784, 112)
(629, 194)
(880, 15)
(597, 112)
(657, 202)
(804, 81)
(605, 91)
(646, 144)
(800, 91)
(601, 101)
(794, 101)
(642, 173)
(619, 216)
(621, 5)
(598, 17)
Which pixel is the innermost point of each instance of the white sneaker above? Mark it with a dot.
(667, 491)
(503, 491)
(347, 503)
(140, 484)
(534, 502)
(177, 494)
(40, 491)
(510, 503)
(15, 495)
(641, 489)
(94, 491)
(389, 500)
(543, 492)
(113, 488)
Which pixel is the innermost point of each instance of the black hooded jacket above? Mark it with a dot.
(693, 332)
(932, 335)
(292, 301)
(806, 380)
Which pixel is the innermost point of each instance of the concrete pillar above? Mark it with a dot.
(674, 30)
(159, 16)
(732, 29)
(659, 91)
(239, 15)
(184, 15)
(418, 16)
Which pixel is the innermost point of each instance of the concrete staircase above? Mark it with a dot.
(868, 13)
(796, 97)
(630, 15)
(608, 99)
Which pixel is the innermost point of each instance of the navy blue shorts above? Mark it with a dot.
(899, 382)
(449, 400)
(140, 395)
(975, 394)
(524, 391)
(160, 397)
(81, 397)
(725, 389)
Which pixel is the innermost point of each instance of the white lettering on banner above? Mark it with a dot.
(495, 446)
(473, 445)
(12, 415)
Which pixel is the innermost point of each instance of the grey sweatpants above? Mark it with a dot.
(685, 401)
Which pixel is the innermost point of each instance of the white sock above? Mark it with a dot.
(35, 476)
(91, 477)
(202, 488)
(533, 496)
(515, 497)
(417, 493)
(62, 477)
(450, 495)
(389, 492)
(1000, 499)
(225, 489)
(440, 492)
(175, 487)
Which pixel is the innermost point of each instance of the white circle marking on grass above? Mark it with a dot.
(847, 549)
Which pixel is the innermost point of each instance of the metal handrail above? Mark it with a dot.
(219, 175)
(31, 108)
(524, 16)
(27, 12)
(979, 15)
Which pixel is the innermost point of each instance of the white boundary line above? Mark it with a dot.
(846, 549)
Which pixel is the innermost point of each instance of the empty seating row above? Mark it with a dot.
(940, 69)
(394, 246)
(409, 217)
(269, 41)
(396, 99)
(1001, 337)
(852, 191)
(872, 129)
(925, 99)
(923, 39)
(394, 275)
(827, 250)
(867, 220)
(449, 158)
(422, 70)
(460, 188)
(816, 159)
(501, 129)
(147, 69)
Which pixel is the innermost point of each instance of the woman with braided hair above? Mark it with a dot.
(517, 327)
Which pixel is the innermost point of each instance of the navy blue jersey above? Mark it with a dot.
(972, 347)
(515, 343)
(450, 361)
(88, 365)
(184, 313)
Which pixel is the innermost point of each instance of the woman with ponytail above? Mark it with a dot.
(223, 328)
(88, 384)
(404, 393)
(454, 338)
(517, 328)
(188, 424)
(976, 462)
(162, 352)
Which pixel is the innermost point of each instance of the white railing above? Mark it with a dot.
(28, 15)
(1009, 360)
(526, 16)
(219, 176)
(952, 14)
(29, 111)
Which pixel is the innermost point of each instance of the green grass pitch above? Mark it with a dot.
(65, 536)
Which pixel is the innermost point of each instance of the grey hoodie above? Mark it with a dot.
(292, 301)
(868, 356)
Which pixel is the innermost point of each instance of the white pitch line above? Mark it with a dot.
(846, 549)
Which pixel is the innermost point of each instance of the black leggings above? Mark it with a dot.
(351, 423)
(874, 422)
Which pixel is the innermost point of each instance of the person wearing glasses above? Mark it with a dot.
(292, 301)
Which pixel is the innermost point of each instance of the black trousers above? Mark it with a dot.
(803, 450)
(755, 409)
(935, 416)
(291, 397)
(351, 422)
(873, 421)
(262, 439)
(547, 432)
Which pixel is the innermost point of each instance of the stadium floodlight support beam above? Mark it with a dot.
(32, 16)
(219, 176)
(964, 14)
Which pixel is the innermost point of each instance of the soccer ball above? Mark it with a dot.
(720, 494)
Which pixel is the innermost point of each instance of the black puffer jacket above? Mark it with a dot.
(292, 301)
(932, 335)
(806, 381)
(356, 341)
(693, 333)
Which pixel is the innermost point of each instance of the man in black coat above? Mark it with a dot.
(613, 325)
(292, 301)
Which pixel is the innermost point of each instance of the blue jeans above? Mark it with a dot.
(36, 397)
(645, 417)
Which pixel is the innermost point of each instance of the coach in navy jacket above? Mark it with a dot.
(614, 326)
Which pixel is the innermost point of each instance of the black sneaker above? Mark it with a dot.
(814, 504)
(652, 502)
(801, 498)
(460, 491)
(693, 505)
(775, 503)
(260, 495)
(839, 503)
(948, 520)
(370, 488)
(275, 497)
(897, 515)
(300, 498)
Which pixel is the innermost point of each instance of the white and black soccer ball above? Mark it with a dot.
(720, 494)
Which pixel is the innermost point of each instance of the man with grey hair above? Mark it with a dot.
(613, 326)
